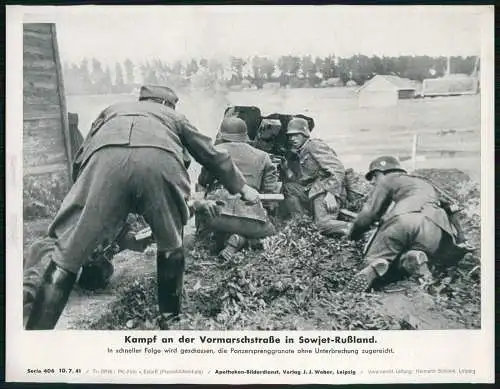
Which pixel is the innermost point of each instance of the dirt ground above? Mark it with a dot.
(296, 282)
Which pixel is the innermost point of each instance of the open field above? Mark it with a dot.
(449, 128)
(297, 282)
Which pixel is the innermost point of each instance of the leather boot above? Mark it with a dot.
(170, 276)
(364, 279)
(51, 298)
(415, 263)
(234, 244)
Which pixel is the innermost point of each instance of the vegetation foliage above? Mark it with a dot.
(297, 283)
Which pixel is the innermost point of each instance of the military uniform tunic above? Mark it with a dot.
(316, 171)
(133, 161)
(255, 165)
(257, 168)
(410, 218)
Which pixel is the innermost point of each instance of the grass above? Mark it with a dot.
(297, 283)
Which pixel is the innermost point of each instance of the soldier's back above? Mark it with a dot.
(134, 124)
(249, 160)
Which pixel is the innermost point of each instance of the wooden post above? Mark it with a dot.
(62, 99)
(414, 151)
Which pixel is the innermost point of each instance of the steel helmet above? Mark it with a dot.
(383, 164)
(298, 126)
(233, 129)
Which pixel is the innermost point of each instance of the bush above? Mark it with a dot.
(42, 198)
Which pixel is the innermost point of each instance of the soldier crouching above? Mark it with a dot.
(413, 228)
(315, 182)
(259, 172)
(132, 161)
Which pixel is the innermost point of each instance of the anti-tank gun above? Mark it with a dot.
(268, 133)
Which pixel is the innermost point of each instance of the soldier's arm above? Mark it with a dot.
(332, 170)
(376, 205)
(96, 124)
(218, 162)
(205, 178)
(269, 177)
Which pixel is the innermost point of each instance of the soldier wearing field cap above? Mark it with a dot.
(413, 227)
(255, 165)
(132, 161)
(315, 180)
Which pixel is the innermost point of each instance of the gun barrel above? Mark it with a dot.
(271, 197)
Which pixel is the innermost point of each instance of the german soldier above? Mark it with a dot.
(316, 179)
(254, 164)
(132, 161)
(413, 227)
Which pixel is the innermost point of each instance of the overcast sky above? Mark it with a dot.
(178, 32)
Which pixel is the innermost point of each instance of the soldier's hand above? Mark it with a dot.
(207, 207)
(249, 194)
(330, 202)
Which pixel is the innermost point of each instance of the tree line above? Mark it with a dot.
(94, 77)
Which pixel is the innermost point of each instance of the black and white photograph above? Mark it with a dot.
(263, 168)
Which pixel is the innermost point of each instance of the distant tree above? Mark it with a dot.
(328, 68)
(106, 83)
(97, 74)
(377, 65)
(237, 70)
(464, 65)
(149, 73)
(119, 82)
(259, 75)
(129, 72)
(289, 65)
(308, 67)
(177, 68)
(203, 63)
(192, 68)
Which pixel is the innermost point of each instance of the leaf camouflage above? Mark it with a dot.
(297, 283)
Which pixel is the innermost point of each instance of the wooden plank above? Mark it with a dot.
(35, 117)
(41, 99)
(45, 169)
(62, 98)
(41, 41)
(42, 28)
(41, 122)
(37, 64)
(38, 84)
(40, 73)
(31, 127)
(36, 34)
(29, 56)
(33, 158)
(46, 152)
(38, 107)
(41, 52)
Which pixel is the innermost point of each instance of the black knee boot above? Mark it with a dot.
(51, 298)
(170, 274)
